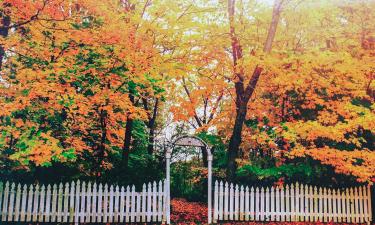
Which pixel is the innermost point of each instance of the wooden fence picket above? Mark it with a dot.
(272, 204)
(93, 203)
(247, 204)
(47, 207)
(66, 202)
(117, 205)
(11, 201)
(149, 200)
(287, 203)
(71, 202)
(242, 203)
(23, 203)
(88, 202)
(369, 207)
(361, 205)
(282, 204)
(252, 202)
(216, 201)
(231, 199)
(110, 204)
(226, 200)
(339, 206)
(334, 205)
(311, 204)
(30, 203)
(154, 201)
(105, 203)
(261, 204)
(144, 202)
(306, 197)
(138, 215)
(236, 201)
(365, 209)
(160, 203)
(17, 203)
(59, 202)
(132, 204)
(5, 202)
(267, 209)
(42, 204)
(277, 203)
(221, 200)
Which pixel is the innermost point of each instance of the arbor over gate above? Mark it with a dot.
(190, 141)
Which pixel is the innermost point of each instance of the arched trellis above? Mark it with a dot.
(187, 141)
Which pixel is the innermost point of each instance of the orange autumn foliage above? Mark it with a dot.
(315, 95)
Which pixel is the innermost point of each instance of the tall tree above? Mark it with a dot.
(244, 89)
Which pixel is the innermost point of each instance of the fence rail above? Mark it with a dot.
(291, 203)
(82, 202)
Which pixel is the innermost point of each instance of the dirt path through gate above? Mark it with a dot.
(184, 212)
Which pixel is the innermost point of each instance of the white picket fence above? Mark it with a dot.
(83, 202)
(291, 203)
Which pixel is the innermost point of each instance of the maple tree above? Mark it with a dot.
(315, 82)
(72, 81)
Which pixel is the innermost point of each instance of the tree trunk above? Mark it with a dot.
(4, 31)
(242, 99)
(127, 138)
(235, 141)
(152, 127)
(101, 147)
(277, 8)
(204, 156)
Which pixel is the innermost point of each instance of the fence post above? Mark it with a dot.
(168, 176)
(209, 191)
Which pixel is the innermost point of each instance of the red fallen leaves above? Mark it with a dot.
(184, 212)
